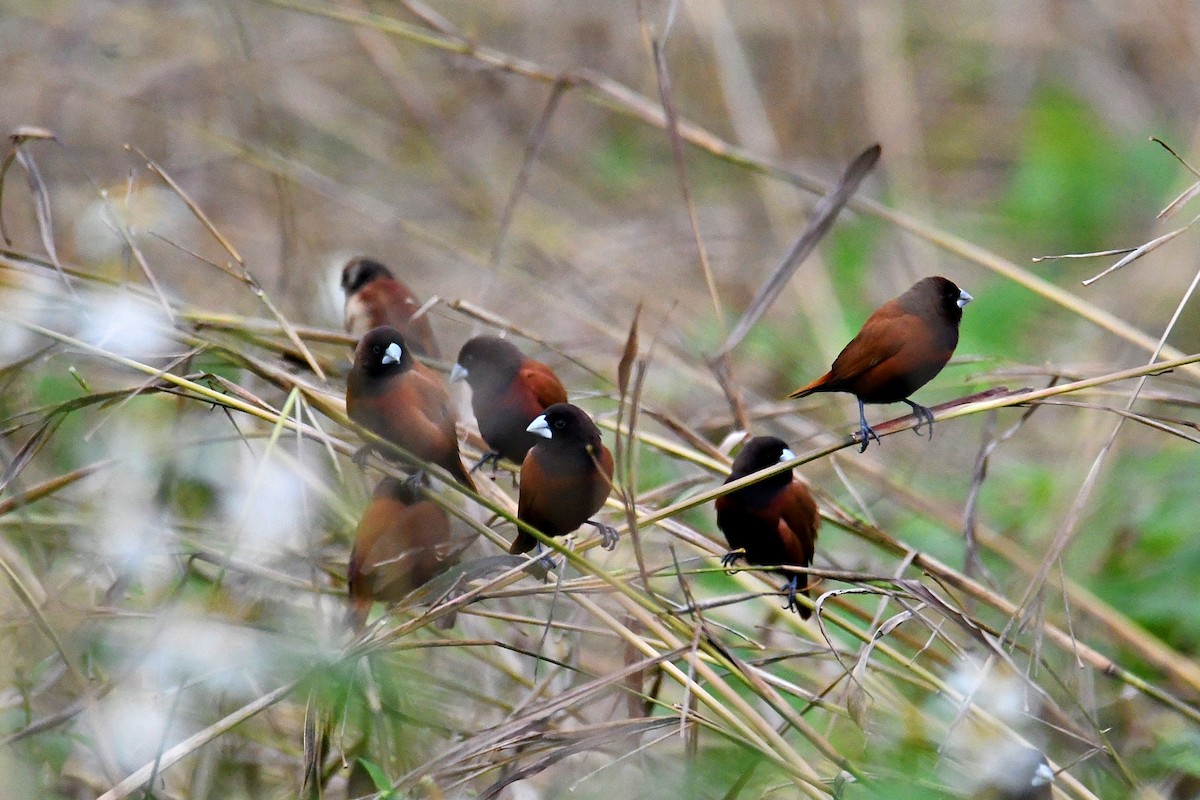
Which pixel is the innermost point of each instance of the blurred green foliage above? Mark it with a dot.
(852, 248)
(1075, 183)
(1143, 534)
(623, 164)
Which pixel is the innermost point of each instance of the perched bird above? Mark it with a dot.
(774, 520)
(508, 391)
(565, 477)
(398, 398)
(374, 297)
(900, 348)
(402, 542)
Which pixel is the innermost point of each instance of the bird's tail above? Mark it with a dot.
(816, 386)
(357, 611)
(461, 475)
(804, 611)
(522, 544)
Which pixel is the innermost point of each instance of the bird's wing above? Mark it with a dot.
(438, 422)
(528, 499)
(546, 386)
(799, 512)
(435, 401)
(882, 336)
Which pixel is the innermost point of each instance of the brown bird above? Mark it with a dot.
(774, 520)
(565, 477)
(508, 391)
(398, 398)
(900, 348)
(402, 542)
(374, 297)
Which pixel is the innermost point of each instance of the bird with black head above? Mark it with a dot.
(508, 391)
(401, 400)
(900, 348)
(375, 297)
(565, 477)
(773, 521)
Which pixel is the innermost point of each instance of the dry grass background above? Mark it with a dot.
(177, 503)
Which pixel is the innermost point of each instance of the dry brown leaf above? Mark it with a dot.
(630, 354)
(824, 214)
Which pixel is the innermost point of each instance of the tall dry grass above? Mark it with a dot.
(177, 498)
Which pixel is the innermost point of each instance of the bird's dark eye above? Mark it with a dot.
(560, 423)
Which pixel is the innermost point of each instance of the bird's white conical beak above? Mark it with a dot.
(964, 297)
(392, 354)
(540, 427)
(458, 373)
(786, 455)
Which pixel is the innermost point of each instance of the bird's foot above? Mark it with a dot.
(865, 434)
(546, 560)
(608, 534)
(491, 456)
(924, 416)
(790, 592)
(728, 560)
(361, 455)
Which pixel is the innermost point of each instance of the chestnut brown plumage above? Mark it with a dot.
(774, 520)
(900, 348)
(398, 398)
(508, 391)
(375, 297)
(565, 477)
(402, 542)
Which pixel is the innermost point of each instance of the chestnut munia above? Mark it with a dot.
(508, 390)
(900, 348)
(774, 521)
(565, 477)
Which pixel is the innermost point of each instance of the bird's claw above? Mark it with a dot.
(417, 479)
(790, 593)
(608, 535)
(728, 560)
(491, 456)
(361, 455)
(924, 417)
(544, 562)
(865, 434)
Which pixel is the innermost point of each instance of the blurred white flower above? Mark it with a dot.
(133, 538)
(219, 657)
(130, 534)
(984, 744)
(139, 209)
(133, 725)
(15, 341)
(126, 325)
(331, 299)
(993, 687)
(266, 505)
(39, 298)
